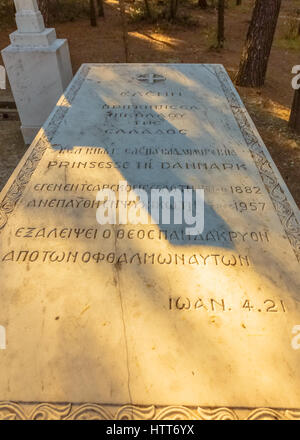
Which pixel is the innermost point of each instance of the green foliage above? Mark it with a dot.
(289, 34)
(210, 37)
(159, 11)
(293, 44)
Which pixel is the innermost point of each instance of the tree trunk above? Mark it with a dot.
(257, 48)
(148, 10)
(294, 121)
(173, 9)
(238, 2)
(44, 8)
(93, 12)
(203, 4)
(100, 8)
(221, 25)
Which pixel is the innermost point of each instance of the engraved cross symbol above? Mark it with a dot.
(151, 78)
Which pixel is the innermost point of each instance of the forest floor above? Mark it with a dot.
(191, 40)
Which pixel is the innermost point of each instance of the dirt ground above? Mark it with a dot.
(188, 41)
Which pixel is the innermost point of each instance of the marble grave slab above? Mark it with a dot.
(111, 320)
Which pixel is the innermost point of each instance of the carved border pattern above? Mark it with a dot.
(280, 202)
(16, 190)
(88, 411)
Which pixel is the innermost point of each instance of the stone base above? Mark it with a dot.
(38, 77)
(43, 39)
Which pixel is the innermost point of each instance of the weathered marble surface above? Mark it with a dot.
(215, 331)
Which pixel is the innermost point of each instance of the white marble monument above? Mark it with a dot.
(141, 320)
(38, 66)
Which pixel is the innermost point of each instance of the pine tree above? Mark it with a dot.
(257, 48)
(93, 12)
